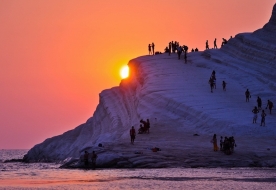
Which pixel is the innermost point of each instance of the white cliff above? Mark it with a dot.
(176, 98)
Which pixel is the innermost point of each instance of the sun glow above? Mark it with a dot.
(124, 72)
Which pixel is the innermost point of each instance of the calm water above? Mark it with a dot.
(49, 176)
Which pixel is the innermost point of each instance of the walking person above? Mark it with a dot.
(269, 105)
(206, 44)
(247, 95)
(263, 114)
(255, 111)
(152, 46)
(132, 135)
(215, 44)
(149, 49)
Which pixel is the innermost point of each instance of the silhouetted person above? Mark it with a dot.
(247, 95)
(269, 105)
(193, 50)
(179, 51)
(207, 45)
(85, 158)
(196, 49)
(224, 85)
(170, 48)
(211, 82)
(185, 57)
(149, 49)
(94, 158)
(215, 44)
(259, 102)
(224, 41)
(132, 134)
(166, 50)
(255, 111)
(152, 45)
(263, 114)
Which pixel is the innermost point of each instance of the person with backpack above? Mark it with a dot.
(132, 135)
(263, 114)
(269, 105)
(247, 95)
(255, 111)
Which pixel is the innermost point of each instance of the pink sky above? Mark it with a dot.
(57, 56)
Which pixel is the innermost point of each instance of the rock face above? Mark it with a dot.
(176, 98)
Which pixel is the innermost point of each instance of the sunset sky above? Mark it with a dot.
(57, 56)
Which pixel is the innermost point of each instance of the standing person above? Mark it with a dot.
(269, 105)
(224, 85)
(170, 48)
(215, 44)
(259, 102)
(255, 111)
(94, 158)
(211, 82)
(207, 45)
(247, 95)
(179, 51)
(221, 143)
(132, 134)
(263, 114)
(85, 158)
(215, 143)
(185, 57)
(148, 125)
(152, 45)
(149, 49)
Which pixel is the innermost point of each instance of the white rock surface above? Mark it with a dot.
(176, 98)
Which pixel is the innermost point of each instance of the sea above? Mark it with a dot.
(49, 176)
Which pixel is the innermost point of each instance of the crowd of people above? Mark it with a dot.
(226, 145)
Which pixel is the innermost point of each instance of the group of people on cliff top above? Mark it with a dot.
(226, 145)
(144, 128)
(257, 108)
(224, 42)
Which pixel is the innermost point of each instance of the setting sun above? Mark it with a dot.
(124, 72)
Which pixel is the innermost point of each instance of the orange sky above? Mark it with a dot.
(57, 56)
